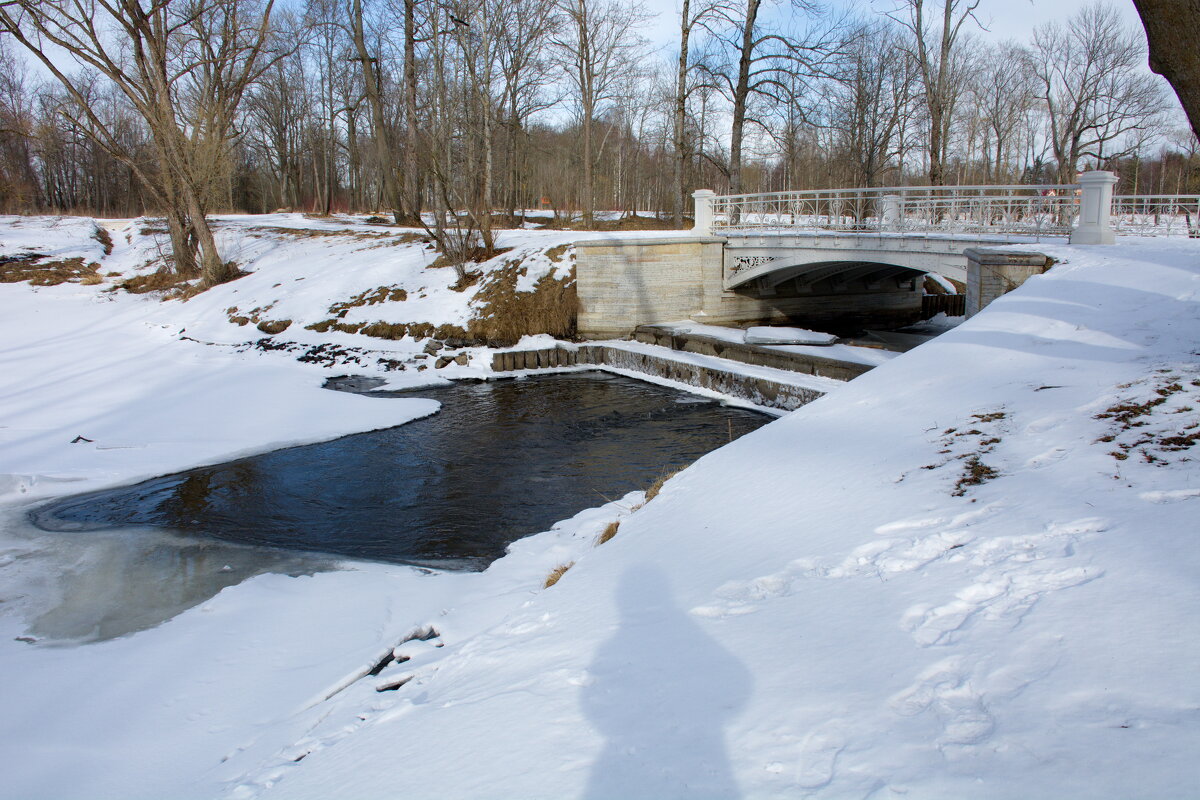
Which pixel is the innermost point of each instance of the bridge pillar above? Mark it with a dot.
(991, 273)
(891, 213)
(704, 212)
(1095, 208)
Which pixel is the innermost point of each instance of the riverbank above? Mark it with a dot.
(969, 572)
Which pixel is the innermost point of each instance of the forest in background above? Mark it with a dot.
(478, 109)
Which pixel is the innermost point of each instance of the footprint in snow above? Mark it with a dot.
(1051, 456)
(1172, 496)
(959, 691)
(818, 757)
(1018, 570)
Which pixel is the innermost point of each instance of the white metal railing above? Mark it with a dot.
(1034, 211)
(1086, 212)
(1157, 215)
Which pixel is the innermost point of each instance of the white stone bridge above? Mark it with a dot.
(848, 257)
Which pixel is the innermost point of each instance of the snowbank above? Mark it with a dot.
(969, 573)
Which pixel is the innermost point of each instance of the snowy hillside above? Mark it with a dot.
(971, 572)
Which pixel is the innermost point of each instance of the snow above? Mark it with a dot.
(942, 281)
(781, 335)
(827, 607)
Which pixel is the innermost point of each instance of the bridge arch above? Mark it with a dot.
(829, 276)
(767, 261)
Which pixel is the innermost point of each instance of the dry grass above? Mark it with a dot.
(370, 297)
(384, 330)
(555, 254)
(657, 486)
(557, 573)
(391, 330)
(326, 325)
(159, 281)
(272, 327)
(609, 532)
(1178, 429)
(105, 239)
(505, 315)
(975, 472)
(322, 233)
(476, 255)
(466, 281)
(30, 267)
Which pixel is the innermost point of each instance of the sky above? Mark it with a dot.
(1004, 19)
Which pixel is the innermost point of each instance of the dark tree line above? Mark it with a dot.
(459, 114)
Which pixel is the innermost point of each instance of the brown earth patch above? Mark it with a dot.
(33, 268)
(505, 314)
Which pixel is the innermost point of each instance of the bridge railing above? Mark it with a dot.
(1157, 215)
(1035, 211)
(1086, 212)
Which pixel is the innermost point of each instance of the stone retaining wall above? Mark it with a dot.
(760, 391)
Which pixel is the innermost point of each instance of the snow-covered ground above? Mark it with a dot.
(971, 572)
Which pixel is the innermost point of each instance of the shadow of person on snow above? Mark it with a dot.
(661, 692)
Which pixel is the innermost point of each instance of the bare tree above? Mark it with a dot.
(525, 69)
(766, 65)
(869, 100)
(373, 82)
(184, 66)
(1095, 92)
(1003, 88)
(934, 48)
(18, 181)
(694, 14)
(597, 48)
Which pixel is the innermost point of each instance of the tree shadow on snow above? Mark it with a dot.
(662, 693)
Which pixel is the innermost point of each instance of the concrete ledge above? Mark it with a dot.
(1005, 257)
(758, 355)
(647, 240)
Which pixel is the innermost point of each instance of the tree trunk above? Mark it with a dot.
(741, 96)
(371, 81)
(213, 270)
(1170, 32)
(589, 175)
(412, 177)
(183, 243)
(685, 30)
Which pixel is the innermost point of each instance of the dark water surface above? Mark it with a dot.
(501, 460)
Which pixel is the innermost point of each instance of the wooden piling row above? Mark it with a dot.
(514, 360)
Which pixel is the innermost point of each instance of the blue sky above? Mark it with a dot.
(1004, 19)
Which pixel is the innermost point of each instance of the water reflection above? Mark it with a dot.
(500, 461)
(114, 583)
